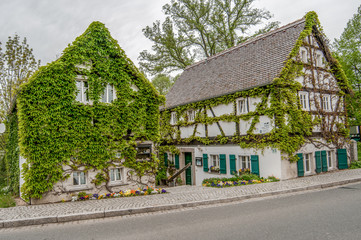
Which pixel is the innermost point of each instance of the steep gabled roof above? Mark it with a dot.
(253, 63)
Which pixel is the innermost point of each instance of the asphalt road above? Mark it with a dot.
(327, 214)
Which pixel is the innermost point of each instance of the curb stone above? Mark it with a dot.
(132, 211)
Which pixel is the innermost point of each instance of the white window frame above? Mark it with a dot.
(106, 97)
(319, 60)
(326, 103)
(329, 159)
(304, 100)
(82, 91)
(116, 174)
(79, 178)
(307, 158)
(214, 160)
(242, 105)
(191, 115)
(244, 161)
(173, 118)
(303, 55)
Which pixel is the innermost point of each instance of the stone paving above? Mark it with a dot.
(177, 197)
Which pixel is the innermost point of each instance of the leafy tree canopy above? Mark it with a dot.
(195, 29)
(348, 50)
(163, 83)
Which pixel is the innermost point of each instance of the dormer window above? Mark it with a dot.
(243, 106)
(108, 95)
(190, 115)
(82, 93)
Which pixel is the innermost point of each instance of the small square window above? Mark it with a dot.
(243, 106)
(115, 174)
(79, 178)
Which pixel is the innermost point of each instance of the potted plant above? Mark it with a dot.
(214, 169)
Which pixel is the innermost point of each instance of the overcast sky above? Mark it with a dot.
(50, 25)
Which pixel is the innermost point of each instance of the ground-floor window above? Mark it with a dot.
(115, 174)
(245, 162)
(79, 178)
(215, 160)
(308, 162)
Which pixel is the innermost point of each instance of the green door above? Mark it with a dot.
(342, 158)
(324, 161)
(254, 164)
(300, 168)
(188, 159)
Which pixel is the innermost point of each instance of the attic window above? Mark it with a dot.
(173, 118)
(109, 94)
(135, 88)
(243, 106)
(304, 56)
(319, 60)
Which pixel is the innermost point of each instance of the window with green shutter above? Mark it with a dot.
(232, 164)
(324, 161)
(222, 164)
(255, 164)
(318, 161)
(342, 158)
(176, 161)
(205, 163)
(300, 168)
(166, 159)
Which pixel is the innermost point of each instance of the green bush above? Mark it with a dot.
(7, 201)
(355, 164)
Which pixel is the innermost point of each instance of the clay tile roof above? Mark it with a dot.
(253, 63)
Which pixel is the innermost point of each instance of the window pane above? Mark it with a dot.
(75, 178)
(104, 96)
(112, 175)
(110, 93)
(82, 178)
(118, 175)
(78, 87)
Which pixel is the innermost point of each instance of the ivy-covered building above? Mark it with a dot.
(86, 122)
(274, 104)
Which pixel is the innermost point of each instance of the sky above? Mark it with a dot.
(50, 25)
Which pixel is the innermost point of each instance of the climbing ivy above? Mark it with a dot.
(279, 101)
(56, 131)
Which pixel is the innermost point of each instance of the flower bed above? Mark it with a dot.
(82, 196)
(245, 179)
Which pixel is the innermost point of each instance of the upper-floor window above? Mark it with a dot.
(326, 105)
(319, 60)
(304, 56)
(243, 105)
(79, 178)
(304, 100)
(108, 94)
(82, 91)
(173, 118)
(191, 115)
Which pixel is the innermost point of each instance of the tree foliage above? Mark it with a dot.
(195, 29)
(17, 63)
(163, 83)
(348, 50)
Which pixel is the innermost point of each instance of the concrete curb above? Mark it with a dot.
(124, 212)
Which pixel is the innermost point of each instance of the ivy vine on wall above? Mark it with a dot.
(57, 131)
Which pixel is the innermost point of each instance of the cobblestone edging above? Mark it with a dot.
(178, 197)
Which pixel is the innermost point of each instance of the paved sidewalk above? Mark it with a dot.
(177, 197)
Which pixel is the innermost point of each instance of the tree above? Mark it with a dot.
(17, 63)
(195, 29)
(348, 51)
(163, 83)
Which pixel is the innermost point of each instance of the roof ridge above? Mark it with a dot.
(249, 41)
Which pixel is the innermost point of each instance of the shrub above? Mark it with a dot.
(7, 201)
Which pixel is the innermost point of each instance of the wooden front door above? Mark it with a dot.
(188, 159)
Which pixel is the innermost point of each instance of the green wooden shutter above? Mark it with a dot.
(222, 164)
(232, 164)
(176, 161)
(324, 161)
(318, 161)
(205, 163)
(342, 159)
(255, 164)
(300, 166)
(166, 159)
